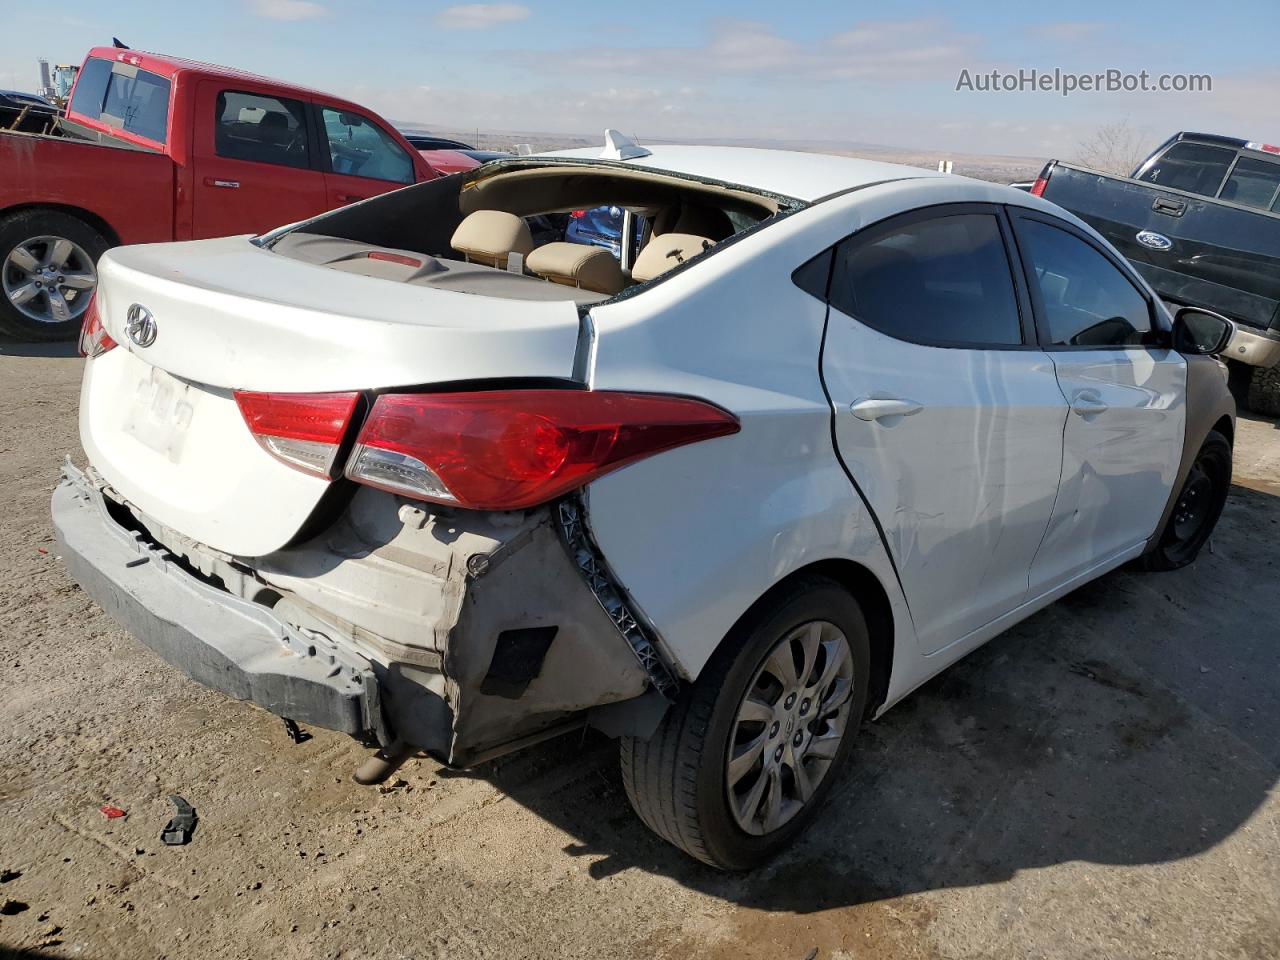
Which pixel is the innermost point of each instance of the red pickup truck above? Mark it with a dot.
(156, 148)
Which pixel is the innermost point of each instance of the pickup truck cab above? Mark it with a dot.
(1200, 220)
(157, 148)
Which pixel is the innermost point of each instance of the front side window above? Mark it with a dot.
(249, 126)
(1193, 167)
(123, 96)
(940, 281)
(359, 147)
(1252, 183)
(1088, 301)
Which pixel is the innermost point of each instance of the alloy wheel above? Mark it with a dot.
(48, 279)
(789, 726)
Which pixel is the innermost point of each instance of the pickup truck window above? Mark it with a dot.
(125, 97)
(1193, 167)
(358, 147)
(250, 126)
(943, 281)
(1087, 301)
(1253, 183)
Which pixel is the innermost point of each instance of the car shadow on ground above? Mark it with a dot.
(1136, 721)
(19, 348)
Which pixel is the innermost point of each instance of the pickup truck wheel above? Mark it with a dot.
(1264, 391)
(1197, 509)
(740, 765)
(48, 272)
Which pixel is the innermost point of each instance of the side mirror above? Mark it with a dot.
(1198, 331)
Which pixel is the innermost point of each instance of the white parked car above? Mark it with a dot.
(825, 427)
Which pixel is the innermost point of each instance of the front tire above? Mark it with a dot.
(1264, 391)
(739, 766)
(1197, 509)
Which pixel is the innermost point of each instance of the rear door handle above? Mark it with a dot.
(870, 408)
(226, 184)
(1169, 206)
(1088, 403)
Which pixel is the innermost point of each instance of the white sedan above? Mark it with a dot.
(421, 471)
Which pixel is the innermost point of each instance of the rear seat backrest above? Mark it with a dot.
(663, 252)
(487, 236)
(578, 265)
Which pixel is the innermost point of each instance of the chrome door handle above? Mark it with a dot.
(1088, 403)
(870, 408)
(228, 184)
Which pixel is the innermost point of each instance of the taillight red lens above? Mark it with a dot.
(304, 430)
(94, 339)
(1037, 188)
(508, 449)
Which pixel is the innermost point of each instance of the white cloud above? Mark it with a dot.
(1067, 31)
(480, 16)
(288, 9)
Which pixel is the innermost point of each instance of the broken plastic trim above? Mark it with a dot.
(571, 520)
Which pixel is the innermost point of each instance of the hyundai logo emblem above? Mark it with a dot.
(140, 326)
(1156, 241)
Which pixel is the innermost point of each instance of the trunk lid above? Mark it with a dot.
(161, 425)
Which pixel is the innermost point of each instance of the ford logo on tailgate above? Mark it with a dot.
(140, 326)
(1156, 241)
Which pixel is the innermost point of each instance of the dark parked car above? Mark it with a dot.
(1200, 220)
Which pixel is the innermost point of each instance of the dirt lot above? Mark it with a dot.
(1099, 782)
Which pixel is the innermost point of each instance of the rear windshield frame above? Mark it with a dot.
(89, 101)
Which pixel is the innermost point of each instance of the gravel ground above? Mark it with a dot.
(1098, 782)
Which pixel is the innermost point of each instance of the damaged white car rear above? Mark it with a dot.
(424, 472)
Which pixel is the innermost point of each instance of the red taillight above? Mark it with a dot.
(304, 430)
(94, 339)
(1037, 188)
(504, 450)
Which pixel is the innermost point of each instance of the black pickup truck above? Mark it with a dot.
(1200, 220)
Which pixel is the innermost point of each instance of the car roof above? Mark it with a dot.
(171, 67)
(788, 173)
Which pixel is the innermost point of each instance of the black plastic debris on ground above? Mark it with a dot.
(181, 825)
(295, 732)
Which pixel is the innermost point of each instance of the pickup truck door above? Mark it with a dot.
(362, 159)
(947, 416)
(256, 162)
(1126, 389)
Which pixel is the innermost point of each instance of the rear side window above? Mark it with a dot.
(939, 281)
(360, 148)
(1253, 183)
(1087, 301)
(125, 97)
(1193, 167)
(249, 126)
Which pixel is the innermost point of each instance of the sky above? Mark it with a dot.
(754, 69)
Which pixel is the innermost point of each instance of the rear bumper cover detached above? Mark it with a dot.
(499, 635)
(222, 641)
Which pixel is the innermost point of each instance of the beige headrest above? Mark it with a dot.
(663, 252)
(578, 265)
(487, 236)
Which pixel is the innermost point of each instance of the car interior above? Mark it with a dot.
(502, 232)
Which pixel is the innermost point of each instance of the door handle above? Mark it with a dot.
(1088, 403)
(871, 408)
(350, 197)
(227, 184)
(1169, 206)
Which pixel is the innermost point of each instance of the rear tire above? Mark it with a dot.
(1264, 391)
(1197, 509)
(30, 242)
(694, 782)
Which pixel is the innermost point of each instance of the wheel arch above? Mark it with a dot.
(865, 587)
(80, 213)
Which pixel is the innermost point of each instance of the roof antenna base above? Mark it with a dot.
(618, 146)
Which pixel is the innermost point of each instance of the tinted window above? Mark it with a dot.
(1194, 167)
(359, 147)
(248, 126)
(91, 88)
(1252, 183)
(125, 97)
(935, 281)
(1087, 300)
